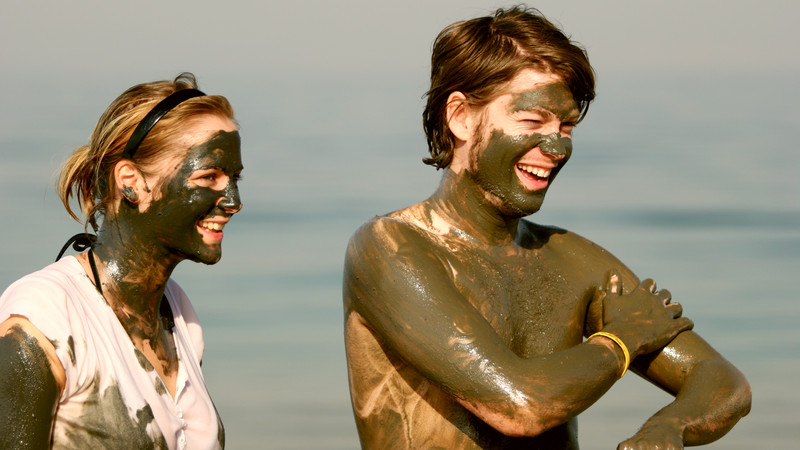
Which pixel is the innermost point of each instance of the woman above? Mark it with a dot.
(103, 349)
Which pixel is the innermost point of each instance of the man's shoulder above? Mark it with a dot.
(398, 239)
(403, 224)
(544, 233)
(541, 230)
(387, 251)
(565, 243)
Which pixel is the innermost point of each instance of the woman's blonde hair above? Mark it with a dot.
(88, 173)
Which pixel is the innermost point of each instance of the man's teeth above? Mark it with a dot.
(214, 226)
(541, 173)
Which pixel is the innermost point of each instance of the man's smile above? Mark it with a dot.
(536, 171)
(533, 176)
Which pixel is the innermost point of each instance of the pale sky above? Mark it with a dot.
(264, 50)
(241, 39)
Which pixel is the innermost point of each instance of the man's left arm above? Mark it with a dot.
(711, 395)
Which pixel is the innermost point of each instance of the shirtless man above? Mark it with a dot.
(467, 326)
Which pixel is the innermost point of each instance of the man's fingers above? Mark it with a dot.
(684, 323)
(649, 284)
(665, 296)
(613, 282)
(676, 308)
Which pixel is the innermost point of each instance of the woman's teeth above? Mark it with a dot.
(213, 226)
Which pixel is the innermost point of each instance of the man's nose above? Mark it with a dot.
(552, 145)
(230, 200)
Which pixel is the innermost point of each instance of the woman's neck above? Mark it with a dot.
(133, 275)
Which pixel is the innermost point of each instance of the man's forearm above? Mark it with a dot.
(714, 396)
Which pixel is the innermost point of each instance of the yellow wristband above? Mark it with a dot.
(621, 345)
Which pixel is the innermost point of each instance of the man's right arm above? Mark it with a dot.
(30, 381)
(398, 284)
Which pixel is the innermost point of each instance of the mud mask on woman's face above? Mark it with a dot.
(197, 200)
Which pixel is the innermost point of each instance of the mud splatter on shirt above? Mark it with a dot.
(113, 398)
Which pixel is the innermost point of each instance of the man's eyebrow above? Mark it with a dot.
(533, 109)
(573, 116)
(538, 109)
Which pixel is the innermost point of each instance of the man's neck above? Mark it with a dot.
(470, 210)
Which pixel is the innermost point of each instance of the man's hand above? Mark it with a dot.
(645, 319)
(655, 434)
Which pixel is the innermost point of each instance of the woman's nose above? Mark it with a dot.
(230, 200)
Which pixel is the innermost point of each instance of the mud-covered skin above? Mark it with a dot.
(140, 245)
(527, 113)
(494, 169)
(28, 392)
(170, 219)
(410, 351)
(436, 319)
(464, 324)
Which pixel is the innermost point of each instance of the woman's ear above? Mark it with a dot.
(459, 118)
(128, 180)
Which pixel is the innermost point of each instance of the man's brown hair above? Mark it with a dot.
(478, 57)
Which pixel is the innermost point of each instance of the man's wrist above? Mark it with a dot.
(619, 344)
(675, 425)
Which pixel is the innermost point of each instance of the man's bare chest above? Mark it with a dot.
(533, 302)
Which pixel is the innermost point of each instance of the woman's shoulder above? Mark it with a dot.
(46, 302)
(57, 299)
(51, 285)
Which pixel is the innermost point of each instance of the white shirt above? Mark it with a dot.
(113, 398)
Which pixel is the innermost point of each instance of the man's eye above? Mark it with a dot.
(210, 177)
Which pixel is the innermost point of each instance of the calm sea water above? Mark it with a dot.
(706, 203)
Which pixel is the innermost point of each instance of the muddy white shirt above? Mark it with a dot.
(113, 398)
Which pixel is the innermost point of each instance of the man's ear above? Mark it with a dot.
(459, 116)
(129, 181)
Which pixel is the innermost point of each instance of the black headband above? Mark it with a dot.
(155, 114)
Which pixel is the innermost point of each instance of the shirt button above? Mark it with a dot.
(184, 425)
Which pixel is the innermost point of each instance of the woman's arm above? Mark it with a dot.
(31, 379)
